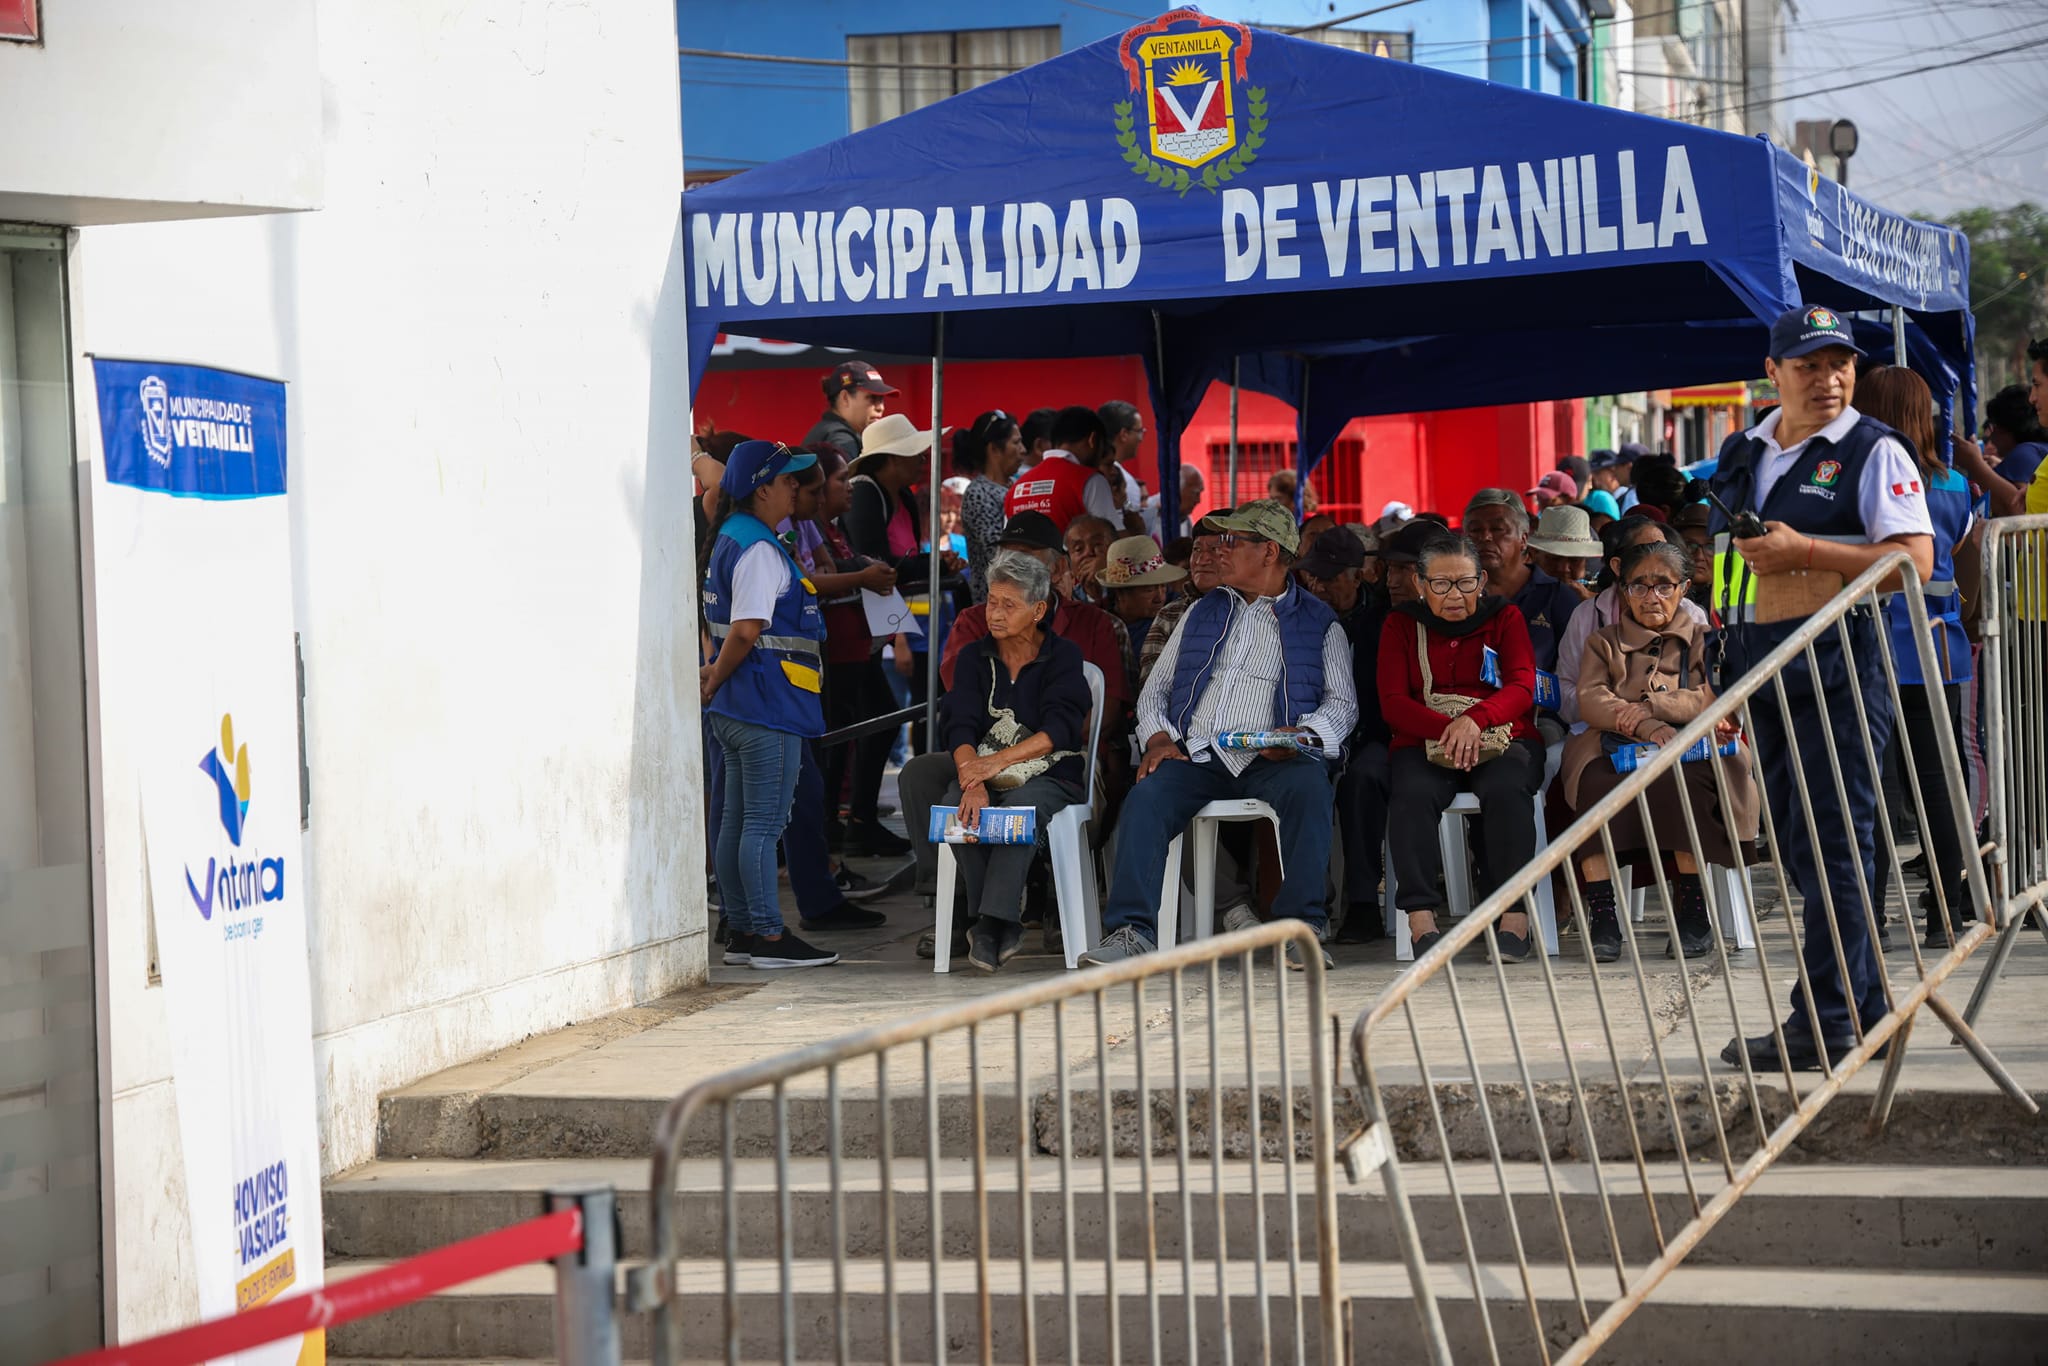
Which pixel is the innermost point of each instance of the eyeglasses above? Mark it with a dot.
(1231, 540)
(1468, 584)
(1659, 589)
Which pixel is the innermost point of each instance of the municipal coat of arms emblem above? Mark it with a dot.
(1199, 113)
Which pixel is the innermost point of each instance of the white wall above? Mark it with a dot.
(483, 335)
(137, 109)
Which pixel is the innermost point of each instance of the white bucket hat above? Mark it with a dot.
(1568, 531)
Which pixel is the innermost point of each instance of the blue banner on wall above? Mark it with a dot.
(191, 431)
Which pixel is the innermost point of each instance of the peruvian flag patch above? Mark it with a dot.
(1901, 490)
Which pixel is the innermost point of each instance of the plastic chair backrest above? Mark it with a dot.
(1094, 677)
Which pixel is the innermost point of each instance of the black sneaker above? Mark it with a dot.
(787, 951)
(854, 886)
(993, 942)
(1514, 948)
(739, 950)
(875, 840)
(844, 916)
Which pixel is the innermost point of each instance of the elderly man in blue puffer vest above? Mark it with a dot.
(1256, 653)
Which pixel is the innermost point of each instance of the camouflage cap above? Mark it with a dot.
(1267, 518)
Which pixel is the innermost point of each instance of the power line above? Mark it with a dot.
(1877, 80)
(1300, 29)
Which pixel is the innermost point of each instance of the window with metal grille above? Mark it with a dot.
(1339, 481)
(894, 73)
(1399, 46)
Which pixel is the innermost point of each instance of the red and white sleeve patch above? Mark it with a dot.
(1901, 490)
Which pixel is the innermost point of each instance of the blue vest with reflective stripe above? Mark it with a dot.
(1304, 620)
(1818, 496)
(777, 687)
(1948, 506)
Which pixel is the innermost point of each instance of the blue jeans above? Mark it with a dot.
(1161, 806)
(760, 783)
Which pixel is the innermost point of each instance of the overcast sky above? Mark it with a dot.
(1973, 134)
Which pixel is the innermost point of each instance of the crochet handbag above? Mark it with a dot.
(1004, 731)
(1493, 740)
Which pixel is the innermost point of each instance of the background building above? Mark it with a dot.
(842, 67)
(452, 231)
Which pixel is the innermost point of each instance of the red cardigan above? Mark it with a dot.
(1456, 663)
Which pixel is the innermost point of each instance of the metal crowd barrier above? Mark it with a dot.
(1604, 1072)
(1179, 1083)
(2013, 625)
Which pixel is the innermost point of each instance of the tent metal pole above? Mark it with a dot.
(1898, 334)
(1301, 458)
(1230, 492)
(937, 533)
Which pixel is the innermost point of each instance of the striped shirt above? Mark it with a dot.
(1244, 684)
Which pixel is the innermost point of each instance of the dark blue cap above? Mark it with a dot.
(1808, 329)
(754, 463)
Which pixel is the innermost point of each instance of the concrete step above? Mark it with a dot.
(1927, 1126)
(1931, 1218)
(1700, 1316)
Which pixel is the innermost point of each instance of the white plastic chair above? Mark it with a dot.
(1738, 926)
(1067, 837)
(1203, 856)
(1458, 879)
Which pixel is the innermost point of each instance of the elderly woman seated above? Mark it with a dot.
(1457, 685)
(1641, 679)
(1016, 720)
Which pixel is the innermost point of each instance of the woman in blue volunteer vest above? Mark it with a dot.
(1896, 396)
(1837, 491)
(762, 690)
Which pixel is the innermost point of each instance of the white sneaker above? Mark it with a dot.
(1239, 915)
(1126, 941)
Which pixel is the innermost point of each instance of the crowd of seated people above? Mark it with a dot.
(1390, 668)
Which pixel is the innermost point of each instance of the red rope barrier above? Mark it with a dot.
(374, 1292)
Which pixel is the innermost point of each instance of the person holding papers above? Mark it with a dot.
(1015, 721)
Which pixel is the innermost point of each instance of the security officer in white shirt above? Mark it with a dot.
(1837, 491)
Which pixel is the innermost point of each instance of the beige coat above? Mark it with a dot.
(1628, 662)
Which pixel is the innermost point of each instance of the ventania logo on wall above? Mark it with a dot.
(236, 880)
(1191, 69)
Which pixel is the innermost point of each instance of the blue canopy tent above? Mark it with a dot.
(1844, 252)
(1195, 190)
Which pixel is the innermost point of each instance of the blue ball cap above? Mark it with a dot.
(754, 463)
(1805, 330)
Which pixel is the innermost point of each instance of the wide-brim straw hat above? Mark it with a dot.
(895, 434)
(1136, 562)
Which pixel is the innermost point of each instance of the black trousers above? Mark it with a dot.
(1362, 823)
(855, 692)
(1940, 839)
(1420, 792)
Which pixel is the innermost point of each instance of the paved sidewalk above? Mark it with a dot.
(610, 1077)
